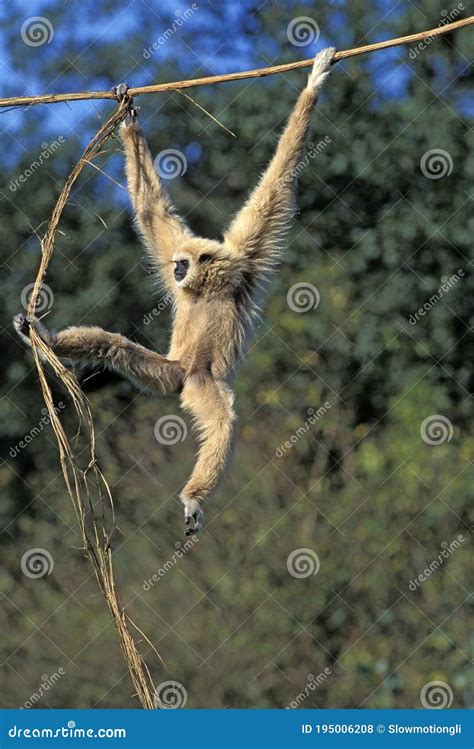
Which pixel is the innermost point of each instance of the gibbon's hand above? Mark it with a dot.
(193, 517)
(321, 69)
(121, 92)
(23, 324)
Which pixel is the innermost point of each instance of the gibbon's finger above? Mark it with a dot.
(22, 323)
(121, 91)
(321, 68)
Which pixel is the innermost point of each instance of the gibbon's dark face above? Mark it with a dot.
(180, 269)
(204, 267)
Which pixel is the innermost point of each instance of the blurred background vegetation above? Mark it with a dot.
(360, 488)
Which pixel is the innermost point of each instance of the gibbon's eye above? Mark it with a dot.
(204, 258)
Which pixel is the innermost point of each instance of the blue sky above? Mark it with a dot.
(84, 29)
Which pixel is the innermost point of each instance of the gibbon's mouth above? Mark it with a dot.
(180, 269)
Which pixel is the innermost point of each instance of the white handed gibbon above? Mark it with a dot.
(215, 287)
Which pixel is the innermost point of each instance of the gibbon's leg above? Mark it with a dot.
(210, 403)
(258, 229)
(114, 351)
(162, 229)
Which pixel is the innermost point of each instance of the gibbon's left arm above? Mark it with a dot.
(162, 229)
(92, 345)
(257, 231)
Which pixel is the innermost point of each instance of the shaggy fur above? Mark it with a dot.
(215, 300)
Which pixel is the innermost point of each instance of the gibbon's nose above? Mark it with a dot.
(180, 269)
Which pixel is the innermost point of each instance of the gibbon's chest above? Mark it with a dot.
(205, 335)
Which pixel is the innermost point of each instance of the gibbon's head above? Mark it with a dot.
(204, 267)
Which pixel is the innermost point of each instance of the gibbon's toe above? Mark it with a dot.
(193, 517)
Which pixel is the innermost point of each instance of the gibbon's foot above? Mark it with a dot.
(193, 517)
(321, 68)
(22, 325)
(121, 92)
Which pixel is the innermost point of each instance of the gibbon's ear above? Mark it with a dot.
(205, 258)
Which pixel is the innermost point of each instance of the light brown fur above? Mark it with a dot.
(216, 301)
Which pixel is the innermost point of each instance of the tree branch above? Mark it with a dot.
(21, 101)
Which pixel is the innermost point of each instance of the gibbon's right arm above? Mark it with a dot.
(160, 225)
(258, 230)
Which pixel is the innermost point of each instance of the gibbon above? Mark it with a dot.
(215, 288)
